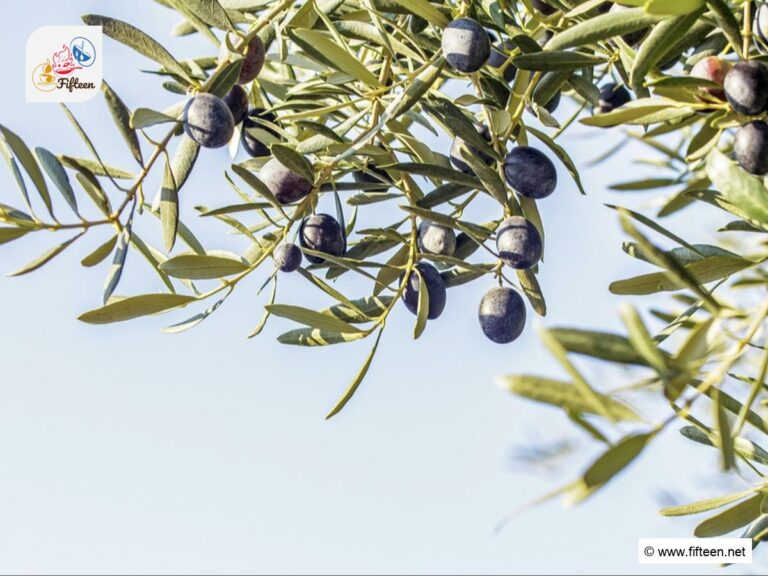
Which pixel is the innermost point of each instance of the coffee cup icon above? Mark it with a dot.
(43, 78)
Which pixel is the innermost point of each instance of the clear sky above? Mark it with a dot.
(127, 450)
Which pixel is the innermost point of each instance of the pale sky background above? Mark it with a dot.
(126, 450)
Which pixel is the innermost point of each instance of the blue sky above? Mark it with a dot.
(127, 450)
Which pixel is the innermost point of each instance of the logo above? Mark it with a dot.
(63, 64)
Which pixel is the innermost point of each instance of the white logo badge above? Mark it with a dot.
(63, 64)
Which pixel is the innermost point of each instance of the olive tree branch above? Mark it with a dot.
(747, 32)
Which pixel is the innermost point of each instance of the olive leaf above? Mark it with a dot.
(135, 307)
(138, 40)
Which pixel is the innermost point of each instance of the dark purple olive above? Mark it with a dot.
(750, 147)
(287, 257)
(746, 87)
(253, 122)
(466, 45)
(519, 243)
(237, 102)
(253, 60)
(322, 233)
(502, 315)
(286, 185)
(208, 121)
(435, 290)
(530, 173)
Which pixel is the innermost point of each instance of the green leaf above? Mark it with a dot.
(10, 234)
(615, 459)
(27, 160)
(94, 190)
(317, 337)
(564, 395)
(372, 198)
(590, 395)
(184, 160)
(122, 117)
(645, 184)
(135, 307)
(735, 407)
(210, 12)
(703, 271)
(705, 505)
(100, 253)
(457, 123)
(730, 519)
(11, 214)
(14, 166)
(58, 175)
(675, 8)
(425, 10)
(741, 446)
(154, 257)
(641, 340)
(435, 171)
(134, 38)
(562, 155)
(489, 178)
(414, 92)
(364, 309)
(118, 261)
(602, 345)
(312, 318)
(532, 290)
(724, 434)
(422, 310)
(46, 257)
(259, 186)
(654, 226)
(442, 194)
(95, 168)
(641, 112)
(322, 47)
(169, 209)
(174, 177)
(145, 117)
(460, 276)
(266, 315)
(203, 267)
(325, 287)
(674, 271)
(602, 27)
(738, 187)
(556, 60)
(294, 161)
(81, 132)
(350, 391)
(727, 23)
(654, 47)
(226, 79)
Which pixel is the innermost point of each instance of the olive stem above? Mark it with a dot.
(747, 33)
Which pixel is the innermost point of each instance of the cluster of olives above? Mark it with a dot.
(745, 86)
(467, 47)
(210, 121)
(502, 313)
